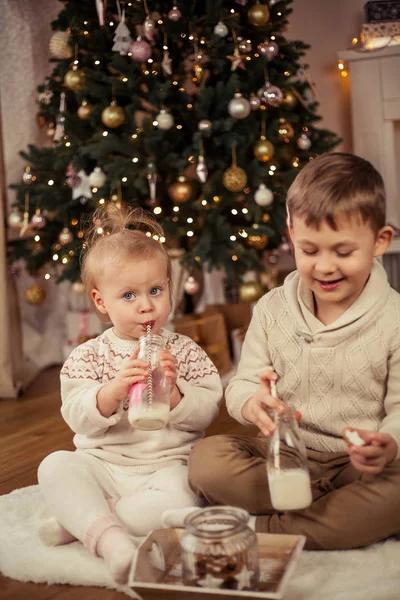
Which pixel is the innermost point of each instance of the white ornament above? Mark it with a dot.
(83, 189)
(45, 96)
(60, 121)
(221, 29)
(239, 107)
(14, 218)
(263, 195)
(167, 63)
(165, 120)
(97, 178)
(201, 169)
(304, 142)
(122, 39)
(152, 180)
(149, 28)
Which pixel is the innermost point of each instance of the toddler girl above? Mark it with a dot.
(120, 480)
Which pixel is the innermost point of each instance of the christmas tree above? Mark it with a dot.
(202, 112)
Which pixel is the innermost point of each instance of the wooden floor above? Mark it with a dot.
(30, 428)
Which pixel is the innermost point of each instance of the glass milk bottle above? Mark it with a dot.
(149, 401)
(288, 475)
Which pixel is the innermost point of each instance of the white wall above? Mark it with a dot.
(25, 32)
(328, 26)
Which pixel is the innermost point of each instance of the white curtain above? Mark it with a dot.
(24, 35)
(15, 371)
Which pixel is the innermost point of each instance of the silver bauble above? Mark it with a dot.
(165, 120)
(15, 218)
(97, 178)
(263, 196)
(239, 107)
(205, 126)
(221, 29)
(304, 142)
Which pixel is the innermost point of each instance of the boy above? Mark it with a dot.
(330, 338)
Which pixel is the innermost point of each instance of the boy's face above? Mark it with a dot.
(134, 294)
(335, 265)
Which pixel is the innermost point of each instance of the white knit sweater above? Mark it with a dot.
(346, 373)
(92, 364)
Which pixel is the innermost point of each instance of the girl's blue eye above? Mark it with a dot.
(128, 296)
(155, 291)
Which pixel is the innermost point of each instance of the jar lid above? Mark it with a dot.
(217, 521)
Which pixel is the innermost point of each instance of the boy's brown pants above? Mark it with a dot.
(349, 509)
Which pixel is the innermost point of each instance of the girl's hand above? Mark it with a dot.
(379, 450)
(169, 365)
(132, 370)
(255, 408)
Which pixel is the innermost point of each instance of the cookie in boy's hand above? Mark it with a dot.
(353, 438)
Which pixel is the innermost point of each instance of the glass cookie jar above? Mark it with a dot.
(219, 550)
(149, 401)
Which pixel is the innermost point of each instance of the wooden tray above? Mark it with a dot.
(156, 571)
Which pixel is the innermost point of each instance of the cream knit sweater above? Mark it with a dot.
(92, 364)
(344, 373)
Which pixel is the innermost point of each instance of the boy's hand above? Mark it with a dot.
(254, 409)
(379, 450)
(132, 370)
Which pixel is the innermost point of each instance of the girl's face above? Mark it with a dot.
(134, 294)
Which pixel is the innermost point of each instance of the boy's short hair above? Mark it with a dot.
(336, 184)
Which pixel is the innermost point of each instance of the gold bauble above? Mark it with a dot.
(289, 99)
(250, 291)
(258, 14)
(34, 294)
(258, 242)
(59, 47)
(263, 149)
(84, 110)
(181, 191)
(74, 79)
(113, 116)
(234, 179)
(285, 130)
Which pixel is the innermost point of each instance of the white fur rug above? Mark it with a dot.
(369, 574)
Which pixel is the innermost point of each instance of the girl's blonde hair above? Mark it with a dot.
(117, 232)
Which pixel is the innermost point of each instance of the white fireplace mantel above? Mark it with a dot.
(375, 109)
